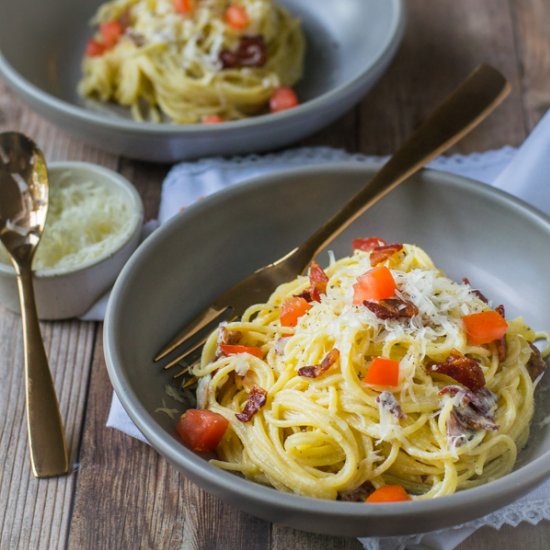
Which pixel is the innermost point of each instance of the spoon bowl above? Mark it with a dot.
(24, 191)
(23, 209)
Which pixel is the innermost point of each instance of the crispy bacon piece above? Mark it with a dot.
(475, 291)
(392, 308)
(359, 494)
(536, 363)
(316, 370)
(464, 370)
(256, 400)
(226, 336)
(387, 400)
(317, 277)
(382, 253)
(318, 284)
(368, 244)
(471, 412)
(251, 52)
(501, 342)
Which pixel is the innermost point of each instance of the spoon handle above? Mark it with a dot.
(47, 445)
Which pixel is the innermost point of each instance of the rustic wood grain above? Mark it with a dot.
(36, 513)
(532, 21)
(443, 43)
(124, 495)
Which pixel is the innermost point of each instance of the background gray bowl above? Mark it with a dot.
(349, 44)
(469, 229)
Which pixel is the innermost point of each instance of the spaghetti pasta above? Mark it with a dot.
(192, 61)
(327, 431)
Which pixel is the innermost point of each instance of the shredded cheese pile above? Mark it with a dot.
(86, 221)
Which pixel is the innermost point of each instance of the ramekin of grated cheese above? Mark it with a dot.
(93, 225)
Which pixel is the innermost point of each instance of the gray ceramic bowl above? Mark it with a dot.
(468, 228)
(350, 43)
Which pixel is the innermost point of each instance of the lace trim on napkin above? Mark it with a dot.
(328, 154)
(532, 512)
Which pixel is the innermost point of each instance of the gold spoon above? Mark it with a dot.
(23, 209)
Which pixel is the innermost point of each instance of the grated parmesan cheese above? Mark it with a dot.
(87, 220)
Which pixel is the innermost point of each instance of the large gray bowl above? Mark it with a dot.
(468, 228)
(349, 45)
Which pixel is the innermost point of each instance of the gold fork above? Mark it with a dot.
(459, 113)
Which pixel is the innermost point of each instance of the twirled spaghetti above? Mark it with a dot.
(192, 61)
(304, 416)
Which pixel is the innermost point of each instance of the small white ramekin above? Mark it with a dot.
(70, 292)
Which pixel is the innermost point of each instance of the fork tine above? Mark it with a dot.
(208, 317)
(185, 354)
(189, 382)
(182, 372)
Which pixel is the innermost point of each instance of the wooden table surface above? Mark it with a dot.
(122, 494)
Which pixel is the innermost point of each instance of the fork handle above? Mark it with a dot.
(47, 445)
(466, 107)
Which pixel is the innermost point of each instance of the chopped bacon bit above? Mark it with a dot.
(256, 400)
(471, 412)
(359, 494)
(382, 253)
(309, 295)
(475, 291)
(137, 38)
(226, 336)
(280, 344)
(251, 52)
(317, 277)
(392, 308)
(368, 244)
(536, 364)
(388, 401)
(316, 370)
(501, 342)
(464, 370)
(318, 284)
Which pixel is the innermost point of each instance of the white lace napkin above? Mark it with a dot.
(525, 176)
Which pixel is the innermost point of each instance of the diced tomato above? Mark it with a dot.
(183, 6)
(111, 33)
(383, 372)
(234, 349)
(368, 244)
(292, 309)
(376, 284)
(94, 48)
(388, 493)
(283, 98)
(201, 430)
(212, 119)
(236, 17)
(484, 327)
